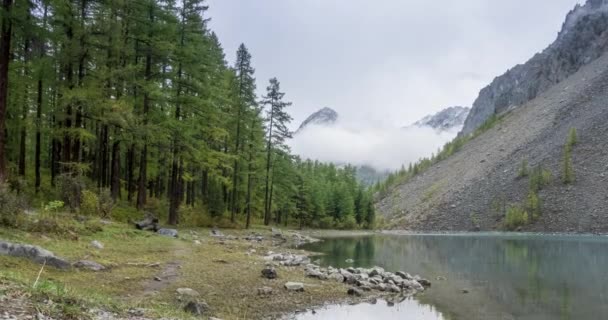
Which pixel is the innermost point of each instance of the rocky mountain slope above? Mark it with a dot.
(471, 189)
(583, 38)
(323, 117)
(446, 119)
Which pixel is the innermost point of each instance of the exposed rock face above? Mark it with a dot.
(583, 38)
(34, 253)
(323, 117)
(447, 119)
(470, 187)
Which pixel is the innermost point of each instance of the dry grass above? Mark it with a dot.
(224, 272)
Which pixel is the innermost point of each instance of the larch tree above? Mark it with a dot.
(245, 100)
(277, 120)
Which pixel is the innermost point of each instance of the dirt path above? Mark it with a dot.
(170, 271)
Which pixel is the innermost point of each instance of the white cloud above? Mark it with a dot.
(381, 148)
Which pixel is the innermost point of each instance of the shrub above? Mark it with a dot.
(326, 222)
(534, 205)
(106, 203)
(523, 169)
(54, 206)
(97, 204)
(125, 213)
(540, 178)
(63, 225)
(572, 137)
(515, 217)
(70, 187)
(11, 207)
(89, 203)
(349, 223)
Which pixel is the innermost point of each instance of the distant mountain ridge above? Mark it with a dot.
(446, 119)
(583, 39)
(324, 117)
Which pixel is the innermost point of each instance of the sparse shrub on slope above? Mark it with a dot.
(523, 169)
(515, 217)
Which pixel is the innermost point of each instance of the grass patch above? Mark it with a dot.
(225, 273)
(431, 192)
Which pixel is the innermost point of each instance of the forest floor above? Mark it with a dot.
(144, 270)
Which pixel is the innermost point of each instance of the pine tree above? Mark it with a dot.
(245, 99)
(277, 120)
(6, 32)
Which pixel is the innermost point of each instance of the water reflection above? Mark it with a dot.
(408, 309)
(507, 276)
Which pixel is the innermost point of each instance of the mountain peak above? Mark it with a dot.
(446, 119)
(325, 116)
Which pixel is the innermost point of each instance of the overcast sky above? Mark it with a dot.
(385, 62)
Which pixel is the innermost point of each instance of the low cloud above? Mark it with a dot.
(377, 147)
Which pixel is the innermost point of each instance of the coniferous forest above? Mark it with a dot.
(132, 104)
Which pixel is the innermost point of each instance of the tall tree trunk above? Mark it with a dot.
(104, 157)
(249, 190)
(143, 162)
(39, 96)
(270, 199)
(38, 134)
(115, 180)
(24, 109)
(174, 192)
(143, 172)
(130, 169)
(5, 54)
(268, 192)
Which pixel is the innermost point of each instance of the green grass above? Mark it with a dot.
(229, 288)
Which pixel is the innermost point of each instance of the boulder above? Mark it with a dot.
(150, 222)
(264, 291)
(215, 232)
(376, 271)
(167, 232)
(380, 287)
(187, 292)
(404, 275)
(336, 276)
(197, 308)
(412, 284)
(34, 253)
(314, 273)
(352, 291)
(393, 288)
(424, 282)
(294, 286)
(96, 244)
(89, 265)
(349, 261)
(269, 272)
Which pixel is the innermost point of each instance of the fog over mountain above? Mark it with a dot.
(383, 148)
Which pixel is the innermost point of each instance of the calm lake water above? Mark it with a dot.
(508, 276)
